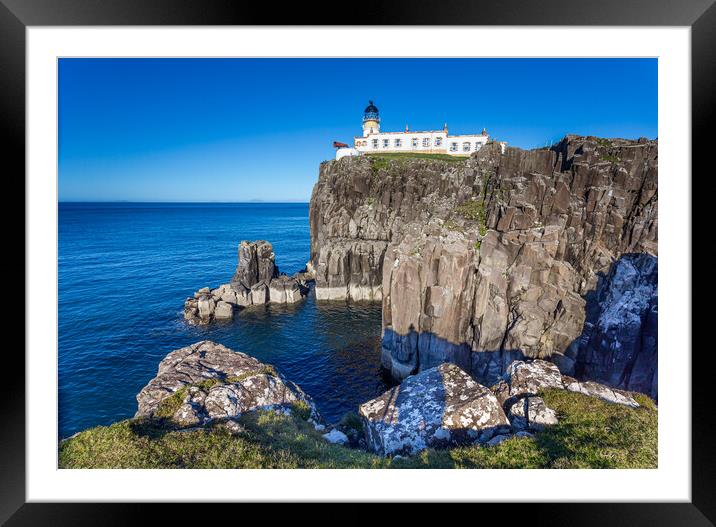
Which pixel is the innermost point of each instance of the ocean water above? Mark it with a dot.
(125, 270)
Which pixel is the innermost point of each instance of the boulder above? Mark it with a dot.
(524, 380)
(241, 293)
(336, 436)
(259, 293)
(206, 306)
(438, 407)
(528, 378)
(191, 310)
(286, 290)
(207, 381)
(224, 311)
(531, 412)
(600, 391)
(255, 282)
(202, 292)
(224, 293)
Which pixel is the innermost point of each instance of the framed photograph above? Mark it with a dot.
(411, 259)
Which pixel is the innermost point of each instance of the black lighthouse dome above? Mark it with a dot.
(371, 112)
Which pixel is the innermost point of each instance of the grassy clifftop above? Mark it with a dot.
(590, 434)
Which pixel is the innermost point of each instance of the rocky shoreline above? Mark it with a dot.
(207, 383)
(503, 279)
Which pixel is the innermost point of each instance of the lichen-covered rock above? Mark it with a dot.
(525, 379)
(207, 381)
(528, 378)
(438, 407)
(531, 412)
(600, 391)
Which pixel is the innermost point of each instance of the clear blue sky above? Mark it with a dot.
(246, 129)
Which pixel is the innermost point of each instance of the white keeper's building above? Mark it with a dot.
(427, 142)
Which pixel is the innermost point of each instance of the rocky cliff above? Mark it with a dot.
(499, 257)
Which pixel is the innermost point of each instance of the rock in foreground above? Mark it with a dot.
(438, 407)
(532, 412)
(525, 379)
(207, 381)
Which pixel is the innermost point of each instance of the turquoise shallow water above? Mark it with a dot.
(124, 272)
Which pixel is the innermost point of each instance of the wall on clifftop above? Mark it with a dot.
(482, 261)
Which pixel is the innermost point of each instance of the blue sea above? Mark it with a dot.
(125, 270)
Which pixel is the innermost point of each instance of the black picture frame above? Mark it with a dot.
(700, 15)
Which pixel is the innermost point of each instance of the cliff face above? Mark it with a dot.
(496, 258)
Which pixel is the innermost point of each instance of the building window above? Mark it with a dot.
(386, 143)
(398, 143)
(478, 146)
(466, 147)
(438, 141)
(426, 142)
(375, 143)
(415, 142)
(453, 147)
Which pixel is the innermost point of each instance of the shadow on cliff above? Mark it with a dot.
(406, 354)
(617, 345)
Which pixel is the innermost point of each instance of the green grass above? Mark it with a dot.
(591, 434)
(169, 405)
(452, 225)
(301, 409)
(610, 157)
(353, 421)
(474, 210)
(410, 155)
(393, 162)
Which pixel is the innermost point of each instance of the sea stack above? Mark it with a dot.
(256, 282)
